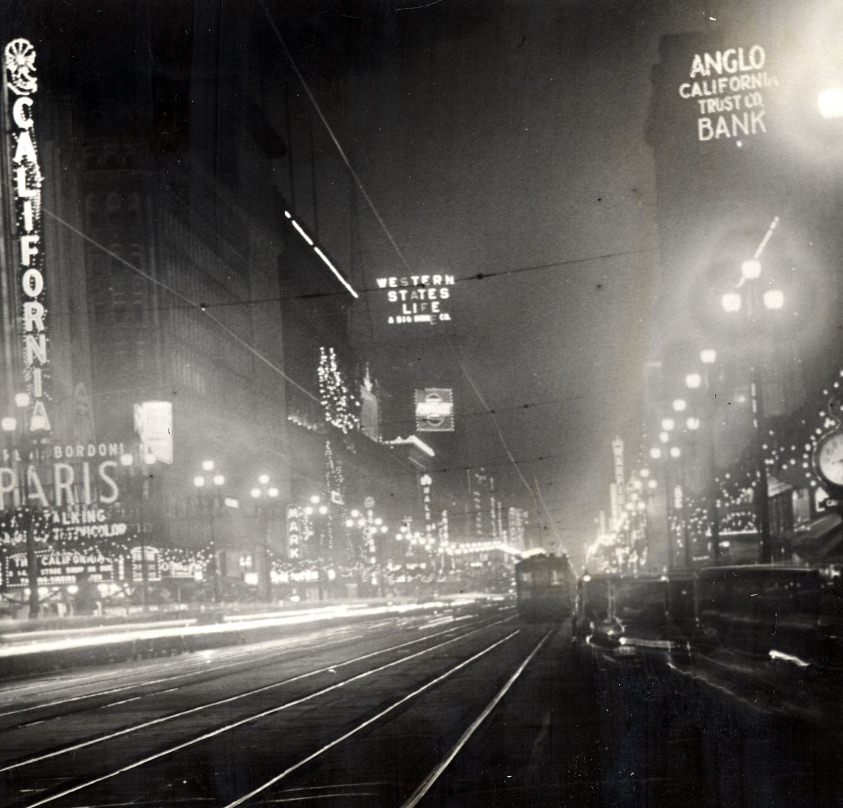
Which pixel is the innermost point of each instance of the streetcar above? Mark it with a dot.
(545, 586)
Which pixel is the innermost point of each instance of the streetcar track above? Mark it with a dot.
(368, 722)
(264, 688)
(424, 787)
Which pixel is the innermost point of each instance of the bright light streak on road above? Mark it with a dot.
(34, 643)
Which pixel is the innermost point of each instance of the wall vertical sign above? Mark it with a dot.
(620, 475)
(24, 173)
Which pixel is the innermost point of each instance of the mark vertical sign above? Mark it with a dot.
(21, 84)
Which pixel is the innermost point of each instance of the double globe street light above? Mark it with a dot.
(701, 382)
(208, 485)
(373, 531)
(19, 444)
(264, 494)
(752, 306)
(140, 495)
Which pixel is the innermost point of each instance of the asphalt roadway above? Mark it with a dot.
(462, 708)
(451, 708)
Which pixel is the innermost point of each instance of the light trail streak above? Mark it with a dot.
(250, 623)
(368, 722)
(279, 646)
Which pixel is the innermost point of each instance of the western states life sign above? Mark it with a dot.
(417, 298)
(728, 90)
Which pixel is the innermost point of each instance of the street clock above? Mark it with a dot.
(828, 458)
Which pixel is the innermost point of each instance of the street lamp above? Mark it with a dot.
(140, 494)
(771, 300)
(731, 302)
(317, 508)
(708, 356)
(373, 531)
(263, 495)
(830, 101)
(207, 485)
(18, 437)
(677, 454)
(659, 454)
(702, 382)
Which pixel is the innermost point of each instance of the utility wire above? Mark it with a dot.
(256, 301)
(491, 415)
(333, 136)
(547, 513)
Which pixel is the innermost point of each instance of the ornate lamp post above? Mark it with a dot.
(20, 446)
(264, 494)
(663, 455)
(702, 382)
(316, 508)
(752, 305)
(208, 485)
(141, 494)
(680, 406)
(373, 531)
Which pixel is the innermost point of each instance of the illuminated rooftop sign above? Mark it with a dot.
(726, 89)
(417, 298)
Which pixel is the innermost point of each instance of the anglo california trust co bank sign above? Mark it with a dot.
(727, 90)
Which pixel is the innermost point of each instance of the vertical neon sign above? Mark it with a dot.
(21, 84)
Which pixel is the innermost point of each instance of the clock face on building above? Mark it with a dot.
(829, 458)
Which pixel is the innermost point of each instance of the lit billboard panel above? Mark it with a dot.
(434, 409)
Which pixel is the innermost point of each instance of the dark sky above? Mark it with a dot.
(509, 139)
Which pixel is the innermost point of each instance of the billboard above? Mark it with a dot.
(154, 426)
(434, 409)
(60, 567)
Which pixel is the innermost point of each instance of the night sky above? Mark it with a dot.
(510, 142)
(510, 145)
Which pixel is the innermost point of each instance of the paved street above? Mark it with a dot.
(463, 706)
(382, 713)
